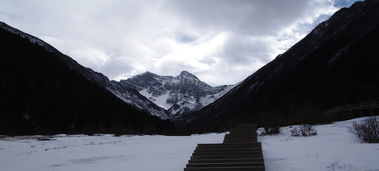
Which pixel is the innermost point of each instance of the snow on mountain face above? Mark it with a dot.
(128, 94)
(179, 94)
(131, 96)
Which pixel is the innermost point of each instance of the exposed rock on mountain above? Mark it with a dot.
(180, 94)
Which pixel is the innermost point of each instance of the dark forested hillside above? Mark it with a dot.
(337, 63)
(42, 91)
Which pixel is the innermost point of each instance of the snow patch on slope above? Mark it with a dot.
(208, 99)
(132, 97)
(160, 100)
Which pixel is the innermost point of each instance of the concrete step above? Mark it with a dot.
(245, 128)
(251, 130)
(229, 150)
(241, 139)
(253, 144)
(248, 131)
(226, 160)
(247, 140)
(251, 168)
(228, 147)
(237, 164)
(239, 152)
(226, 156)
(239, 136)
(227, 153)
(259, 155)
(238, 141)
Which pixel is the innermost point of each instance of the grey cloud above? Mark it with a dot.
(117, 67)
(242, 50)
(246, 16)
(126, 37)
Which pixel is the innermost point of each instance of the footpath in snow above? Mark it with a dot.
(334, 148)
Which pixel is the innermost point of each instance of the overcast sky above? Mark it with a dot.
(220, 41)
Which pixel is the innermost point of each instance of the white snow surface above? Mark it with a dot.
(332, 149)
(100, 153)
(158, 100)
(212, 98)
(186, 102)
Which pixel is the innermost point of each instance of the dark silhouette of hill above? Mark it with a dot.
(337, 63)
(43, 91)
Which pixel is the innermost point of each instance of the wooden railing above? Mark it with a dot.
(354, 107)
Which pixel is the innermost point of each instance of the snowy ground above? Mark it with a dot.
(332, 149)
(101, 153)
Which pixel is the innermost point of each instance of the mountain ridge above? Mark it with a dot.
(178, 94)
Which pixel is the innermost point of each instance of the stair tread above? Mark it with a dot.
(239, 151)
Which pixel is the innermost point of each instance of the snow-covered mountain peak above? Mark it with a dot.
(179, 94)
(187, 75)
(148, 74)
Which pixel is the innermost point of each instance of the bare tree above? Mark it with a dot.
(304, 130)
(270, 131)
(366, 131)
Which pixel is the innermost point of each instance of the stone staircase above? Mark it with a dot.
(239, 151)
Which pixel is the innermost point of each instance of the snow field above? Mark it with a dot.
(334, 148)
(100, 153)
